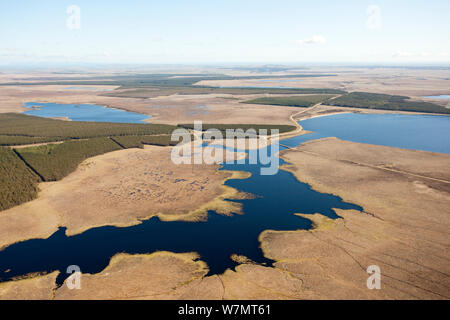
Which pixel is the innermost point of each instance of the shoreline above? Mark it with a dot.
(391, 217)
(30, 214)
(66, 118)
(323, 227)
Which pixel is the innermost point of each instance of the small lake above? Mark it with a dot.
(84, 112)
(277, 199)
(440, 97)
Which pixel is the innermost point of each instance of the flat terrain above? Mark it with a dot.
(120, 188)
(24, 138)
(412, 82)
(302, 101)
(385, 102)
(37, 288)
(405, 195)
(169, 103)
(163, 275)
(172, 109)
(403, 229)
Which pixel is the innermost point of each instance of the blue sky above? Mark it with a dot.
(225, 31)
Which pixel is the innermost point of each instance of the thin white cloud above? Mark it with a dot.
(403, 54)
(373, 21)
(316, 39)
(409, 54)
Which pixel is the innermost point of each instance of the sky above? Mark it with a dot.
(228, 31)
